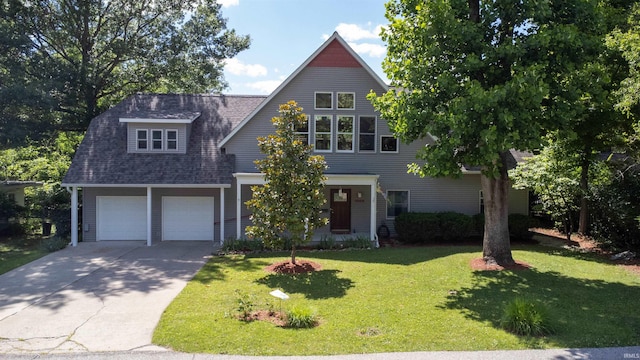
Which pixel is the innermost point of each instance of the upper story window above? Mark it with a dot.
(171, 142)
(367, 136)
(346, 101)
(156, 139)
(388, 144)
(345, 133)
(142, 141)
(324, 100)
(302, 132)
(323, 130)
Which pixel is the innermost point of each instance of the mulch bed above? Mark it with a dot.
(300, 267)
(480, 265)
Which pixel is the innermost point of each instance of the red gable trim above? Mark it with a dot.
(334, 55)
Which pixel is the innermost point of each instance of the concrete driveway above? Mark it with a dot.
(94, 297)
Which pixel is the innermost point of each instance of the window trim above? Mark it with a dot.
(315, 133)
(338, 100)
(315, 100)
(382, 150)
(388, 201)
(480, 202)
(146, 140)
(166, 140)
(375, 137)
(338, 133)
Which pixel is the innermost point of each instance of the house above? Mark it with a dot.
(14, 191)
(180, 167)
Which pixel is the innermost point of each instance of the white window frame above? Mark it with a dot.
(338, 133)
(374, 134)
(315, 100)
(316, 133)
(353, 94)
(146, 139)
(302, 134)
(152, 139)
(480, 202)
(166, 139)
(382, 150)
(389, 202)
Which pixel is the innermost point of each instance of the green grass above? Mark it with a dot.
(19, 250)
(413, 299)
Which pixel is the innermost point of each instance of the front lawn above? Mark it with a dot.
(403, 299)
(19, 250)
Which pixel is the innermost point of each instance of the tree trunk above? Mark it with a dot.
(496, 245)
(583, 226)
(293, 254)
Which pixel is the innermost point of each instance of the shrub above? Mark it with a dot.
(433, 227)
(300, 317)
(55, 243)
(359, 242)
(327, 243)
(525, 317)
(232, 244)
(245, 305)
(519, 226)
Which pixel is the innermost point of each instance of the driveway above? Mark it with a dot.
(94, 297)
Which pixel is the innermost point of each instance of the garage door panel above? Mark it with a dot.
(187, 218)
(121, 218)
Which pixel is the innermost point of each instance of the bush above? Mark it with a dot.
(233, 245)
(525, 317)
(359, 242)
(55, 243)
(300, 317)
(433, 227)
(519, 226)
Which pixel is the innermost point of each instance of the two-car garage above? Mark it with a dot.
(183, 218)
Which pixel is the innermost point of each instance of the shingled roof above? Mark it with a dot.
(102, 157)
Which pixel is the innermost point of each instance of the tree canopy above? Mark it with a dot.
(78, 57)
(482, 78)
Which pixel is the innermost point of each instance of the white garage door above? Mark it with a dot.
(121, 218)
(187, 218)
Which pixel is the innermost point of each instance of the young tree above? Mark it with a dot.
(89, 54)
(289, 203)
(482, 77)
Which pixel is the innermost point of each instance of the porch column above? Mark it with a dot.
(74, 216)
(221, 216)
(238, 207)
(372, 213)
(148, 215)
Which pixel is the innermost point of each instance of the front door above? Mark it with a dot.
(340, 220)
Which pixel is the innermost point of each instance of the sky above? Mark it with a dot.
(284, 33)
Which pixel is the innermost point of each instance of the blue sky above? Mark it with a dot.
(284, 33)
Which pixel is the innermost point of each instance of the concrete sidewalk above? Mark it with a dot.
(94, 297)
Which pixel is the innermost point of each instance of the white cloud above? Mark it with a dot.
(228, 3)
(353, 32)
(237, 67)
(372, 50)
(265, 87)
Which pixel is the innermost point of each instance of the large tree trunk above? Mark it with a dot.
(583, 226)
(496, 245)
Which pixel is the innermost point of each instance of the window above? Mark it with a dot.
(141, 139)
(367, 137)
(172, 140)
(156, 139)
(346, 101)
(323, 130)
(324, 100)
(481, 202)
(397, 202)
(302, 132)
(388, 144)
(345, 133)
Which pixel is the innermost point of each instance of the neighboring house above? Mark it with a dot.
(180, 167)
(14, 190)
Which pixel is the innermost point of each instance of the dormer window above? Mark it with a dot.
(156, 139)
(172, 140)
(142, 139)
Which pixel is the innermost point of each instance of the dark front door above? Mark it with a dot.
(340, 220)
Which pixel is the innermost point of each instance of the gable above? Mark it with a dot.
(335, 55)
